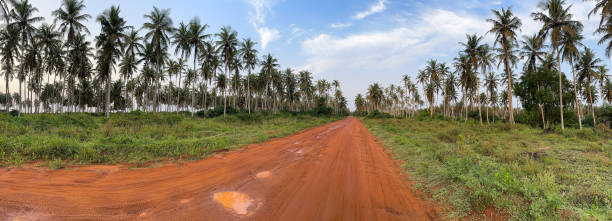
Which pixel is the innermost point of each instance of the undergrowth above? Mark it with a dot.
(138, 138)
(522, 172)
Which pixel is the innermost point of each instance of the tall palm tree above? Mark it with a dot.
(196, 41)
(226, 46)
(109, 43)
(159, 25)
(71, 18)
(9, 50)
(557, 21)
(268, 66)
(23, 21)
(505, 26)
(133, 43)
(588, 67)
(473, 49)
(569, 52)
(248, 53)
(180, 40)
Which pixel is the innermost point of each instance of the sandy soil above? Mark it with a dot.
(332, 172)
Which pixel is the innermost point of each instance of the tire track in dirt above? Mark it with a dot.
(332, 172)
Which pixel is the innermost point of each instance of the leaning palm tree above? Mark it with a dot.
(159, 25)
(557, 21)
(587, 68)
(248, 53)
(23, 22)
(505, 26)
(109, 43)
(226, 45)
(71, 18)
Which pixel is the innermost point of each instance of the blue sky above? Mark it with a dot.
(357, 42)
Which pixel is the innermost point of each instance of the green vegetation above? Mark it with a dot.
(138, 138)
(521, 171)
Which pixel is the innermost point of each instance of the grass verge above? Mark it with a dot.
(136, 138)
(522, 172)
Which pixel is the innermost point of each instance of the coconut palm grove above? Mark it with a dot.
(176, 120)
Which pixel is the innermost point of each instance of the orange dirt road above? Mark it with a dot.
(332, 172)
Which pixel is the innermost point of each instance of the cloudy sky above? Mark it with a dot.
(357, 42)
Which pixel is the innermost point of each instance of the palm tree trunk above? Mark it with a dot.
(576, 94)
(507, 64)
(107, 105)
(248, 99)
(487, 106)
(560, 89)
(7, 92)
(592, 108)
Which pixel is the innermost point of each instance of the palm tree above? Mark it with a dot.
(181, 43)
(226, 46)
(268, 66)
(133, 43)
(505, 25)
(569, 52)
(490, 84)
(248, 54)
(473, 49)
(9, 50)
(23, 22)
(557, 21)
(71, 18)
(533, 51)
(450, 90)
(160, 26)
(605, 6)
(588, 67)
(196, 41)
(109, 43)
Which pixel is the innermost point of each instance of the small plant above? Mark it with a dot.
(56, 164)
(16, 159)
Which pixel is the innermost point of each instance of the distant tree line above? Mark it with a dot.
(469, 85)
(157, 67)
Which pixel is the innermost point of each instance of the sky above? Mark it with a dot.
(357, 42)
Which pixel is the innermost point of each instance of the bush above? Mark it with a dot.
(14, 113)
(378, 115)
(321, 108)
(218, 111)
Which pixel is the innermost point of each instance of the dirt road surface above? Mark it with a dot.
(332, 172)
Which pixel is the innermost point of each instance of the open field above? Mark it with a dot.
(522, 172)
(332, 172)
(137, 138)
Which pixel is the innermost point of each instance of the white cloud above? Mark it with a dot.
(258, 19)
(384, 55)
(375, 8)
(267, 35)
(340, 25)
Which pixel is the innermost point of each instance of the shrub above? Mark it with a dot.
(218, 111)
(378, 115)
(14, 113)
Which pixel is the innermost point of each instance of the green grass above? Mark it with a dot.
(468, 167)
(136, 138)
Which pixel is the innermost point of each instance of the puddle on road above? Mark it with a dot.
(264, 174)
(236, 201)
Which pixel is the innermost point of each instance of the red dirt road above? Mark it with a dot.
(332, 172)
